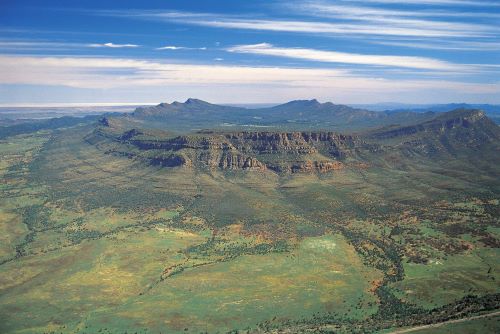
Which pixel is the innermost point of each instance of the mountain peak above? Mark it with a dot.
(189, 102)
(195, 101)
(312, 102)
(299, 104)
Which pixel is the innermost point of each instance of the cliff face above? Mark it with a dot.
(278, 151)
(298, 142)
(459, 134)
(252, 142)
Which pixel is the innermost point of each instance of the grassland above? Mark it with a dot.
(321, 275)
(473, 272)
(93, 242)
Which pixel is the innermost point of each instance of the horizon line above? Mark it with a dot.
(135, 104)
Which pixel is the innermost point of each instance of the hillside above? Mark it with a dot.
(491, 110)
(459, 133)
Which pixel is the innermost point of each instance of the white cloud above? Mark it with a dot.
(26, 44)
(338, 28)
(170, 47)
(173, 47)
(412, 19)
(392, 27)
(382, 14)
(113, 45)
(224, 82)
(112, 72)
(349, 58)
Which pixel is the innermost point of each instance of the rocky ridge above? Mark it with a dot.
(456, 134)
(278, 151)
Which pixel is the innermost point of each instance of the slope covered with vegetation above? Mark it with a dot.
(120, 227)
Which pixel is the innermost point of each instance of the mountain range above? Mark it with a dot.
(492, 110)
(298, 114)
(158, 136)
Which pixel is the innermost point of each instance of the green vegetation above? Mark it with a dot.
(43, 124)
(322, 275)
(99, 240)
(482, 325)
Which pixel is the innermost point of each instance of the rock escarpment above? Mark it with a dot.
(458, 134)
(278, 151)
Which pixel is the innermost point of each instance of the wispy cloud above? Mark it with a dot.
(27, 44)
(349, 58)
(94, 72)
(445, 45)
(24, 44)
(415, 29)
(359, 48)
(173, 47)
(113, 45)
(459, 34)
(225, 82)
(363, 12)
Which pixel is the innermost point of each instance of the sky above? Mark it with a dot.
(239, 51)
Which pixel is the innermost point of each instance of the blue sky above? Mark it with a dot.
(345, 51)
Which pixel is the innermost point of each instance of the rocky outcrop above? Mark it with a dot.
(459, 133)
(299, 142)
(278, 151)
(238, 161)
(184, 142)
(320, 166)
(254, 142)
